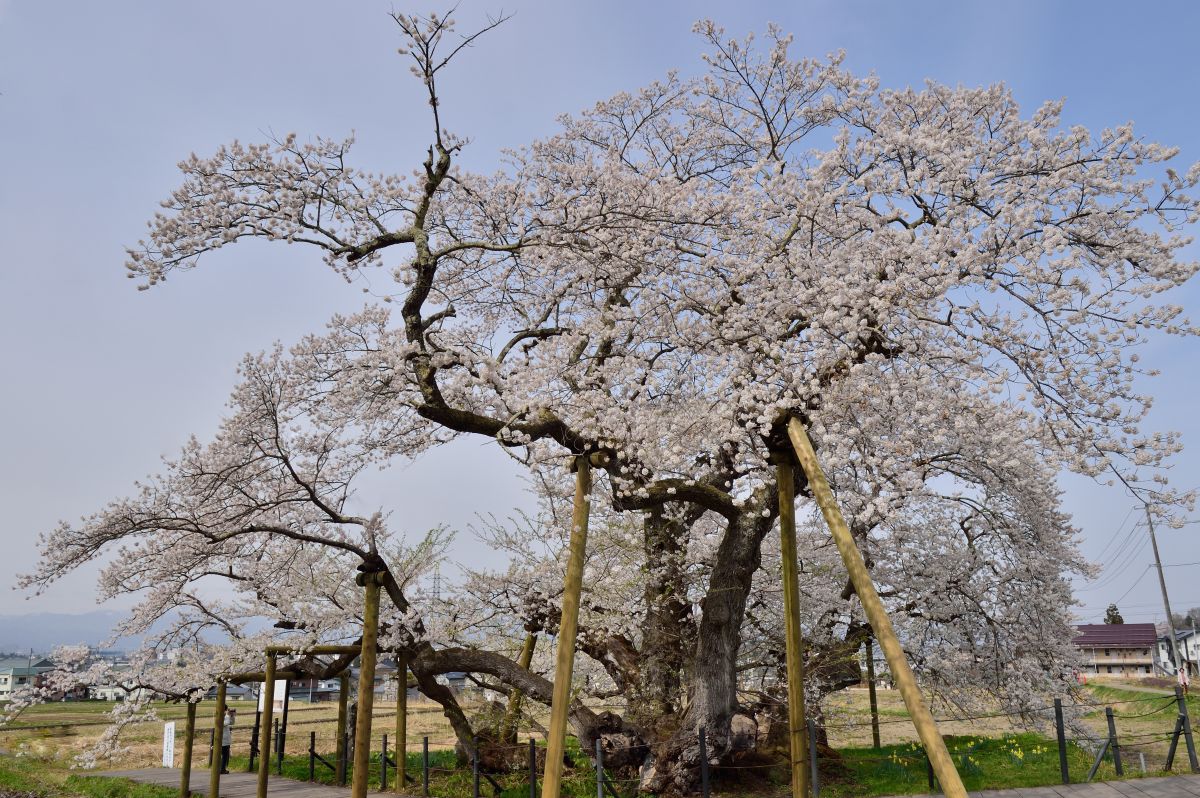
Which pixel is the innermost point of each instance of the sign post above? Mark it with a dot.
(168, 759)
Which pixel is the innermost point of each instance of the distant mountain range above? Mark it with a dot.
(42, 631)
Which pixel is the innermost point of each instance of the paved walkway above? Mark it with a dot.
(1156, 787)
(237, 785)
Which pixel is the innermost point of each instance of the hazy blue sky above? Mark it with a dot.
(98, 101)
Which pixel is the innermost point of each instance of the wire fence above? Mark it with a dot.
(448, 768)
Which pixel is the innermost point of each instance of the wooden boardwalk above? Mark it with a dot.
(243, 785)
(235, 785)
(1155, 787)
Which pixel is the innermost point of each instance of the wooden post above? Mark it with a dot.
(797, 730)
(401, 722)
(568, 626)
(508, 727)
(264, 727)
(874, 700)
(214, 772)
(366, 685)
(881, 624)
(343, 709)
(185, 779)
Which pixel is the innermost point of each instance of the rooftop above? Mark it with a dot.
(1116, 635)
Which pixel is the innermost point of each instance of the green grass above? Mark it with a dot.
(1015, 760)
(26, 775)
(1136, 702)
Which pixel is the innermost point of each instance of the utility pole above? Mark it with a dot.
(1162, 584)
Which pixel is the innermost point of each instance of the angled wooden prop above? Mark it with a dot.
(214, 773)
(264, 727)
(185, 778)
(366, 685)
(797, 729)
(564, 663)
(401, 723)
(881, 625)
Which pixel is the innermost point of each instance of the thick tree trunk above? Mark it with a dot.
(666, 628)
(673, 763)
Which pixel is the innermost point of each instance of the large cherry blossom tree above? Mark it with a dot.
(950, 294)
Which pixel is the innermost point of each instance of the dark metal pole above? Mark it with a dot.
(532, 768)
(1112, 736)
(383, 766)
(929, 771)
(815, 778)
(1174, 742)
(254, 740)
(312, 756)
(599, 770)
(703, 764)
(1060, 730)
(874, 701)
(343, 712)
(425, 766)
(1187, 729)
(278, 750)
(287, 700)
(475, 767)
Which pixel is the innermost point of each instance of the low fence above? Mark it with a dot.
(441, 774)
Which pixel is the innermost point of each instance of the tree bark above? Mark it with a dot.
(673, 764)
(666, 627)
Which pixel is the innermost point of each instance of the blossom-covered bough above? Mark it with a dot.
(945, 296)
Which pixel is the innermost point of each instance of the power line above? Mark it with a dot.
(1124, 521)
(1136, 582)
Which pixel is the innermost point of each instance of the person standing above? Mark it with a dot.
(227, 737)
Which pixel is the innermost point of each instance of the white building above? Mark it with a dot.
(20, 672)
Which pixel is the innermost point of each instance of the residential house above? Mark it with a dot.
(19, 672)
(1189, 649)
(1117, 649)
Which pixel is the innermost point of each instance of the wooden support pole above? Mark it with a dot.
(264, 727)
(189, 734)
(401, 722)
(881, 624)
(214, 773)
(342, 717)
(797, 729)
(568, 626)
(508, 727)
(872, 698)
(366, 685)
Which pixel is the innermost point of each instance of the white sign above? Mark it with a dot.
(169, 744)
(280, 689)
